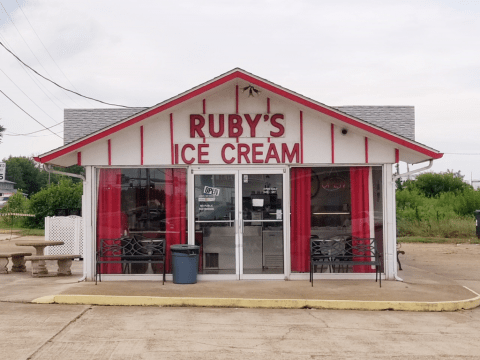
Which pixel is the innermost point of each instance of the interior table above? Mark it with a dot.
(39, 246)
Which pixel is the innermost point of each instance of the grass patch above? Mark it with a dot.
(437, 240)
(454, 228)
(22, 231)
(32, 232)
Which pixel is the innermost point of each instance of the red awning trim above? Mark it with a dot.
(222, 80)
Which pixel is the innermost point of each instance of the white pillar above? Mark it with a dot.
(390, 230)
(89, 210)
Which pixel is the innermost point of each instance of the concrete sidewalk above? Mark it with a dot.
(436, 278)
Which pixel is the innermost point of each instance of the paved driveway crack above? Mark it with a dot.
(58, 333)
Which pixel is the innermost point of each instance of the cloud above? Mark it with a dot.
(422, 53)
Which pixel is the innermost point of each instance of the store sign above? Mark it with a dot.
(238, 126)
(3, 168)
(211, 191)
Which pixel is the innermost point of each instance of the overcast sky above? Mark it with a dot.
(139, 53)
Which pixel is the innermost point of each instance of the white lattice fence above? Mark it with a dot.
(68, 229)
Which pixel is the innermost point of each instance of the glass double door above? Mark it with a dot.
(239, 222)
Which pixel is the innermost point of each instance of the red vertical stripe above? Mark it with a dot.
(109, 153)
(268, 105)
(204, 106)
(141, 145)
(359, 194)
(301, 137)
(176, 153)
(79, 158)
(397, 156)
(171, 137)
(333, 143)
(300, 207)
(236, 99)
(366, 150)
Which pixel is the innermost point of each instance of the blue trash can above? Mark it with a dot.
(184, 263)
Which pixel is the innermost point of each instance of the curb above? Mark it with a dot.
(418, 306)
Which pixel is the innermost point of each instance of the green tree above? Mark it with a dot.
(64, 195)
(2, 129)
(28, 175)
(24, 173)
(434, 184)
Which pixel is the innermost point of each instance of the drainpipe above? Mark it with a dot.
(48, 168)
(395, 177)
(408, 173)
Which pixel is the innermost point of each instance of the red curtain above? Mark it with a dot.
(360, 214)
(300, 218)
(109, 217)
(175, 208)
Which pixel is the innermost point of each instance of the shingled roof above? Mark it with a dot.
(82, 122)
(397, 119)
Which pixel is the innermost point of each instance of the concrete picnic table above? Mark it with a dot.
(39, 246)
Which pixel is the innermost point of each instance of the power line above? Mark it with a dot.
(31, 135)
(29, 114)
(48, 52)
(33, 132)
(19, 33)
(28, 96)
(35, 81)
(53, 82)
(462, 153)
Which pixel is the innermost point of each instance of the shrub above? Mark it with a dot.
(434, 184)
(65, 194)
(16, 203)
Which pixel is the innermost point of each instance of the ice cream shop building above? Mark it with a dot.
(246, 169)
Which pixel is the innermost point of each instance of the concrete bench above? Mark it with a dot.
(64, 263)
(18, 262)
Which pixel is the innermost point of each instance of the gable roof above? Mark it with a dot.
(82, 122)
(253, 79)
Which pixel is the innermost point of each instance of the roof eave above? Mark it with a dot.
(231, 75)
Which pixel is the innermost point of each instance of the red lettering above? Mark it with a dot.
(235, 125)
(211, 125)
(253, 123)
(256, 153)
(290, 155)
(201, 154)
(196, 128)
(243, 153)
(224, 147)
(184, 148)
(280, 127)
(272, 153)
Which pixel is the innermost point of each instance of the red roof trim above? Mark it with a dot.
(338, 116)
(238, 74)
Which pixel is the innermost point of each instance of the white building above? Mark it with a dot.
(244, 168)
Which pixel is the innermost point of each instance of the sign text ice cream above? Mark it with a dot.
(263, 127)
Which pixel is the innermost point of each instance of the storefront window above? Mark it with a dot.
(334, 204)
(142, 203)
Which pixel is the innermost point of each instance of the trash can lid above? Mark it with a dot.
(184, 248)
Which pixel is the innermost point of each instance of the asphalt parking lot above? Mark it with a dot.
(54, 331)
